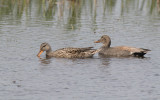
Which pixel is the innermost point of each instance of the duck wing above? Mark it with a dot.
(75, 50)
(140, 52)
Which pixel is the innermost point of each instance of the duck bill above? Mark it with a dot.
(97, 41)
(40, 52)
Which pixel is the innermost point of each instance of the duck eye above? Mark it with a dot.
(44, 45)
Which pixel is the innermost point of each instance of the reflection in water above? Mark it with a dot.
(45, 61)
(69, 12)
(15, 8)
(105, 65)
(158, 5)
(105, 61)
(62, 22)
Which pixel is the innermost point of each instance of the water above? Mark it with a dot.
(25, 24)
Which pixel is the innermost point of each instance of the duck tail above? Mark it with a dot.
(141, 53)
(146, 50)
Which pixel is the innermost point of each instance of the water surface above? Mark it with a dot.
(25, 24)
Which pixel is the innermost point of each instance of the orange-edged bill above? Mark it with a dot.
(97, 41)
(40, 52)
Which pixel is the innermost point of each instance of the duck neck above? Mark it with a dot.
(106, 45)
(49, 51)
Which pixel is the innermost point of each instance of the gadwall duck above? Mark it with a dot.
(67, 52)
(119, 51)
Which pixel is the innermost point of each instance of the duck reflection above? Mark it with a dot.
(46, 60)
(104, 61)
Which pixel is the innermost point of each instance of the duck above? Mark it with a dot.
(69, 52)
(119, 51)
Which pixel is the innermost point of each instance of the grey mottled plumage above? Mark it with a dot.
(67, 52)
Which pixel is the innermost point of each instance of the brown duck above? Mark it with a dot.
(67, 52)
(120, 51)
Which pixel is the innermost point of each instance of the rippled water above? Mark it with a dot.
(25, 24)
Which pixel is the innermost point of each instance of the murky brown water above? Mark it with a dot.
(25, 24)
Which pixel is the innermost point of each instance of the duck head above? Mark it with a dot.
(44, 47)
(105, 39)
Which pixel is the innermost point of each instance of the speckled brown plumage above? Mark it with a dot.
(67, 52)
(119, 51)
